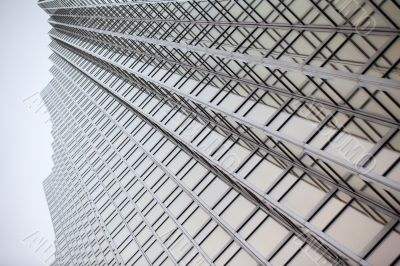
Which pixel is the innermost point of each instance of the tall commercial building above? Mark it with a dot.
(225, 132)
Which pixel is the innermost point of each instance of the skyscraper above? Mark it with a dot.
(249, 132)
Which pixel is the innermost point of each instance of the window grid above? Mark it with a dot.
(177, 114)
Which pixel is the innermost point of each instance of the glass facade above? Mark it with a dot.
(249, 132)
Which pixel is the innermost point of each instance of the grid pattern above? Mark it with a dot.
(225, 132)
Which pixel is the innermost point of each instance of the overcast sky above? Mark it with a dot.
(25, 155)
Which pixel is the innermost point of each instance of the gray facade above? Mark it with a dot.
(250, 132)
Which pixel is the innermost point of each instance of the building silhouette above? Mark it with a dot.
(249, 132)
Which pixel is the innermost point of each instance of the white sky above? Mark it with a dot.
(25, 155)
